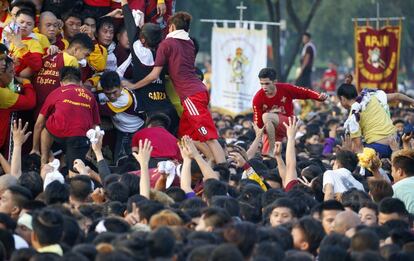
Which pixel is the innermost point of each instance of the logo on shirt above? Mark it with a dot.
(283, 100)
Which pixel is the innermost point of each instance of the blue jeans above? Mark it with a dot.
(383, 150)
(123, 145)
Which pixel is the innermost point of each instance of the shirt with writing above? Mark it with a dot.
(70, 111)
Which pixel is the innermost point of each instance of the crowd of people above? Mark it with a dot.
(109, 150)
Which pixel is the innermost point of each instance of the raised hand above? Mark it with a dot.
(144, 152)
(291, 128)
(278, 149)
(161, 9)
(19, 132)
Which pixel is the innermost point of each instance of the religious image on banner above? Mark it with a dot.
(238, 54)
(377, 55)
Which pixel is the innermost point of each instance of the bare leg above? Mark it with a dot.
(271, 120)
(205, 149)
(218, 152)
(45, 145)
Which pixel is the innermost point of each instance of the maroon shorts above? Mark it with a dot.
(196, 120)
(280, 133)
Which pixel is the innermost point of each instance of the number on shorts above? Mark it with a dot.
(203, 130)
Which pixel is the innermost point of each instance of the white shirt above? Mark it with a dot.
(341, 180)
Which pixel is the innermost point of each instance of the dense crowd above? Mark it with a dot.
(110, 152)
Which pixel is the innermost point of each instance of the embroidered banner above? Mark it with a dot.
(377, 55)
(238, 54)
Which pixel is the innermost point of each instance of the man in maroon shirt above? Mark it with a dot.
(272, 105)
(67, 114)
(177, 51)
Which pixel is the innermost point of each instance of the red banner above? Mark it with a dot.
(377, 55)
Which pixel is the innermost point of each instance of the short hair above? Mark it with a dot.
(26, 11)
(280, 202)
(56, 192)
(313, 231)
(215, 217)
(104, 21)
(47, 226)
(32, 181)
(331, 205)
(83, 40)
(117, 191)
(161, 242)
(213, 187)
(23, 4)
(152, 34)
(148, 208)
(348, 91)
(307, 34)
(20, 195)
(80, 187)
(404, 160)
(230, 204)
(176, 193)
(181, 20)
(347, 159)
(380, 189)
(365, 239)
(243, 235)
(70, 74)
(392, 205)
(110, 80)
(158, 119)
(165, 218)
(132, 182)
(70, 14)
(268, 73)
(226, 252)
(370, 205)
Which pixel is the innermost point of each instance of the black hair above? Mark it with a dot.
(269, 250)
(70, 14)
(201, 252)
(213, 187)
(116, 225)
(347, 159)
(22, 254)
(230, 204)
(104, 21)
(7, 222)
(392, 205)
(32, 181)
(20, 194)
(80, 187)
(131, 181)
(243, 235)
(354, 198)
(313, 231)
(307, 34)
(280, 202)
(83, 40)
(249, 212)
(47, 226)
(348, 91)
(28, 12)
(23, 4)
(161, 243)
(149, 208)
(70, 74)
(176, 193)
(110, 80)
(7, 241)
(159, 119)
(335, 239)
(117, 191)
(215, 217)
(56, 192)
(271, 195)
(333, 253)
(365, 239)
(152, 34)
(72, 233)
(226, 252)
(268, 73)
(114, 208)
(330, 205)
(280, 235)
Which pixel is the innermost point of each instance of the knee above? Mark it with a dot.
(270, 118)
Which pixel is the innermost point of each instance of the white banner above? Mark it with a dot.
(238, 54)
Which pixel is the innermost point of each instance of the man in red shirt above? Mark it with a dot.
(272, 105)
(67, 114)
(329, 78)
(177, 51)
(164, 143)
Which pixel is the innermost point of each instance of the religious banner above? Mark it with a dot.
(377, 55)
(238, 54)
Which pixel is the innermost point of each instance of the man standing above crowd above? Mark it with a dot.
(272, 106)
(177, 51)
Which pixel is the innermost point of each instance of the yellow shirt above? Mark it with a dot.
(44, 42)
(375, 124)
(97, 59)
(70, 60)
(7, 97)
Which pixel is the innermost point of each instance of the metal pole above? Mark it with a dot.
(378, 15)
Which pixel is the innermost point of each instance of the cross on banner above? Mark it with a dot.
(241, 7)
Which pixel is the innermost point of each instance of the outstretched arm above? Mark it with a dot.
(291, 173)
(19, 137)
(399, 97)
(143, 157)
(152, 76)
